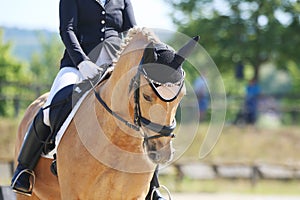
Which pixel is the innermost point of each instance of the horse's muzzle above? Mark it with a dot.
(162, 155)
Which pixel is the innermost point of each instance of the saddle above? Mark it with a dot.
(62, 105)
(60, 108)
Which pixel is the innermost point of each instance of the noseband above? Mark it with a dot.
(139, 120)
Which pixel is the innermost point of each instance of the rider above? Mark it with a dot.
(83, 26)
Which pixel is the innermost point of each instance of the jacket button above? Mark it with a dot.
(103, 12)
(101, 39)
(102, 30)
(102, 21)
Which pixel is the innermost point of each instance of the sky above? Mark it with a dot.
(43, 14)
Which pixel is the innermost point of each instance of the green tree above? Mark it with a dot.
(25, 81)
(252, 31)
(11, 72)
(44, 65)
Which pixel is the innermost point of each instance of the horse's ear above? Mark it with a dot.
(186, 50)
(150, 55)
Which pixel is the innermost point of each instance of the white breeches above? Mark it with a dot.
(66, 76)
(70, 75)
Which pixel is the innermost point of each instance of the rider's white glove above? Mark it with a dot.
(88, 69)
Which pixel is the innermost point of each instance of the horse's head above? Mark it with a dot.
(159, 88)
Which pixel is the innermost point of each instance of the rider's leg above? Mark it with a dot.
(154, 194)
(23, 179)
(66, 76)
(39, 131)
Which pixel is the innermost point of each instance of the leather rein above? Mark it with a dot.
(139, 120)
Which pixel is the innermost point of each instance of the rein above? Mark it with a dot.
(116, 115)
(139, 120)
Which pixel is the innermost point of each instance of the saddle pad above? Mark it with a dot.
(65, 125)
(81, 87)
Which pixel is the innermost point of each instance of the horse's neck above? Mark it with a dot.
(117, 87)
(115, 93)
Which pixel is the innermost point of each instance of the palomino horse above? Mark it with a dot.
(122, 129)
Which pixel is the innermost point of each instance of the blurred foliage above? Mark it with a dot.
(21, 80)
(252, 31)
(11, 70)
(44, 65)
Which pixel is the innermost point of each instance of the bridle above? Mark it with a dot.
(139, 121)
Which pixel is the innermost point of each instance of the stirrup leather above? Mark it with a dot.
(31, 181)
(157, 189)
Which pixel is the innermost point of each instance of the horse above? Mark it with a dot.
(122, 130)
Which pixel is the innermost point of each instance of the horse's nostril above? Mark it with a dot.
(157, 157)
(154, 156)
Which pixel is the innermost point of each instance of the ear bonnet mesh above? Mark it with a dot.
(163, 68)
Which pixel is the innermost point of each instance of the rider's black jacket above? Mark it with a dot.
(86, 23)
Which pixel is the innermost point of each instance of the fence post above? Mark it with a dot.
(16, 102)
(255, 175)
(179, 176)
(37, 91)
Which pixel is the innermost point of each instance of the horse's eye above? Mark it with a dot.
(147, 97)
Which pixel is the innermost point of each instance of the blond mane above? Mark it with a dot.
(146, 32)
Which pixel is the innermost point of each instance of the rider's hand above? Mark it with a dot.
(88, 69)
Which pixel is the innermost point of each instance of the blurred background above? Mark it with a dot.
(254, 45)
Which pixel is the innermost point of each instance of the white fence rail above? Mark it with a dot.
(193, 170)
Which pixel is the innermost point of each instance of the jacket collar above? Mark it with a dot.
(98, 1)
